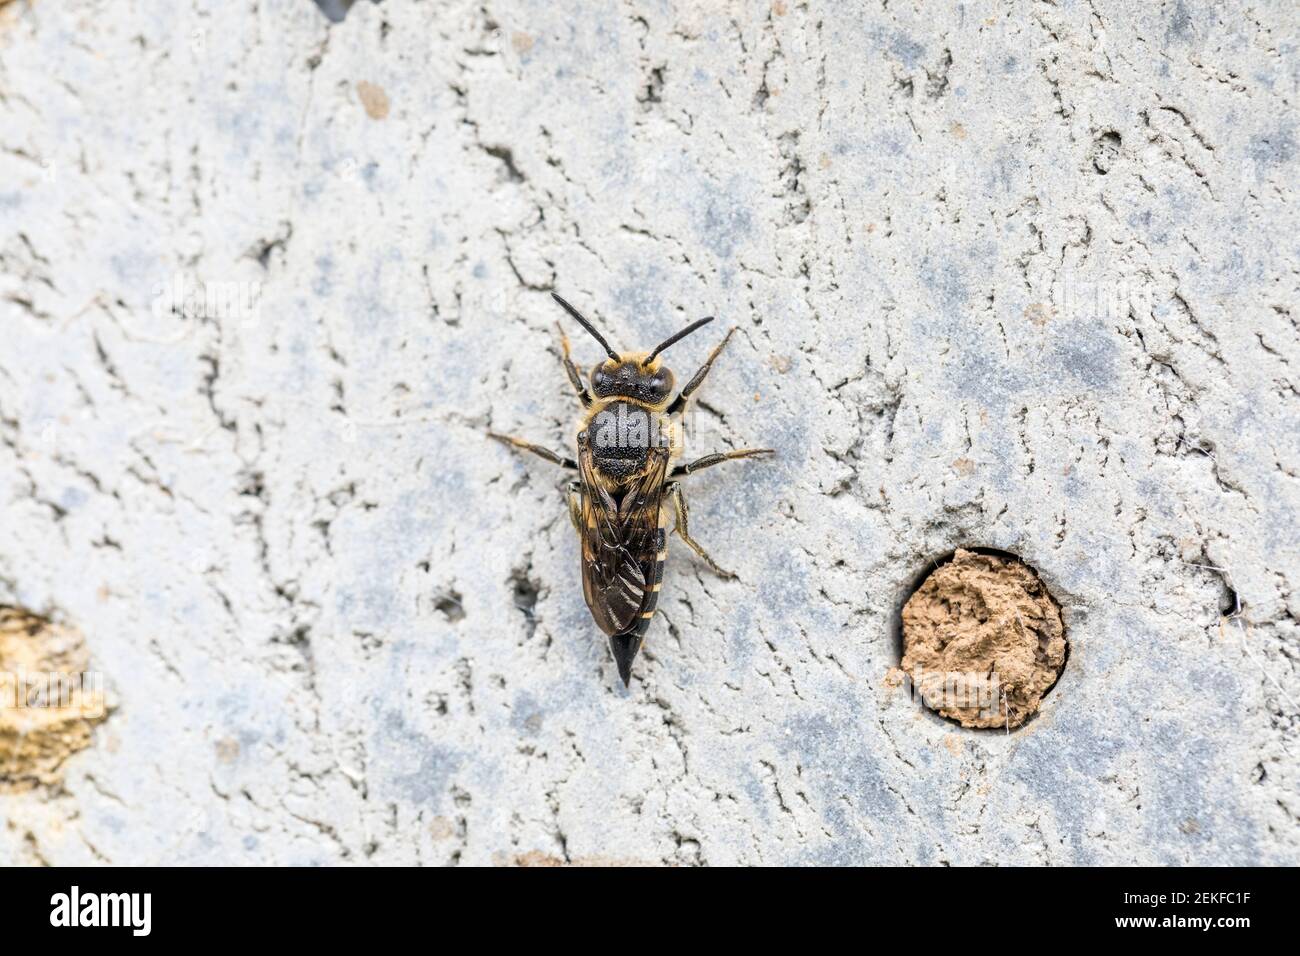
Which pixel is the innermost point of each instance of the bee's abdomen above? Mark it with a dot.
(651, 601)
(627, 642)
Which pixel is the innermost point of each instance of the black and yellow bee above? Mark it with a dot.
(628, 442)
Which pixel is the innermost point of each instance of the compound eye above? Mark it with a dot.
(599, 379)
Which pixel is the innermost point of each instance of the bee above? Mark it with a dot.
(628, 485)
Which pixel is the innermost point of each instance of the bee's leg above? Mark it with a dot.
(573, 494)
(683, 532)
(571, 370)
(717, 458)
(538, 450)
(697, 379)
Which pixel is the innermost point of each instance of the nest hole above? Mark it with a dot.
(980, 638)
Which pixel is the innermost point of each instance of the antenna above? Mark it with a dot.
(591, 328)
(680, 335)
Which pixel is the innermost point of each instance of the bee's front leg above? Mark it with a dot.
(575, 377)
(683, 531)
(538, 450)
(679, 403)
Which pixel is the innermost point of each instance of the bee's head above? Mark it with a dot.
(633, 376)
(638, 375)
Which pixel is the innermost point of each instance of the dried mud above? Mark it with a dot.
(987, 625)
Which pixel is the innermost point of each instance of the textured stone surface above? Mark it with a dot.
(1023, 280)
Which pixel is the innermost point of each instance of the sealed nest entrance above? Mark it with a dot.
(982, 639)
(49, 700)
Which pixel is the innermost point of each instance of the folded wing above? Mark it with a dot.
(620, 541)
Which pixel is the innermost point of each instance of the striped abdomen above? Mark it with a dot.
(627, 644)
(656, 581)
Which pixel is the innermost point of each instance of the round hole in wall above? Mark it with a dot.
(981, 638)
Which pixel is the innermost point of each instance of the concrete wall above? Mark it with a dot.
(1018, 278)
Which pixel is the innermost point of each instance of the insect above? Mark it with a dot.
(628, 443)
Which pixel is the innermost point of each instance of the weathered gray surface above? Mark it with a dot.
(953, 324)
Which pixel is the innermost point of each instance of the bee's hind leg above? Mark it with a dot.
(573, 495)
(683, 531)
(538, 450)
